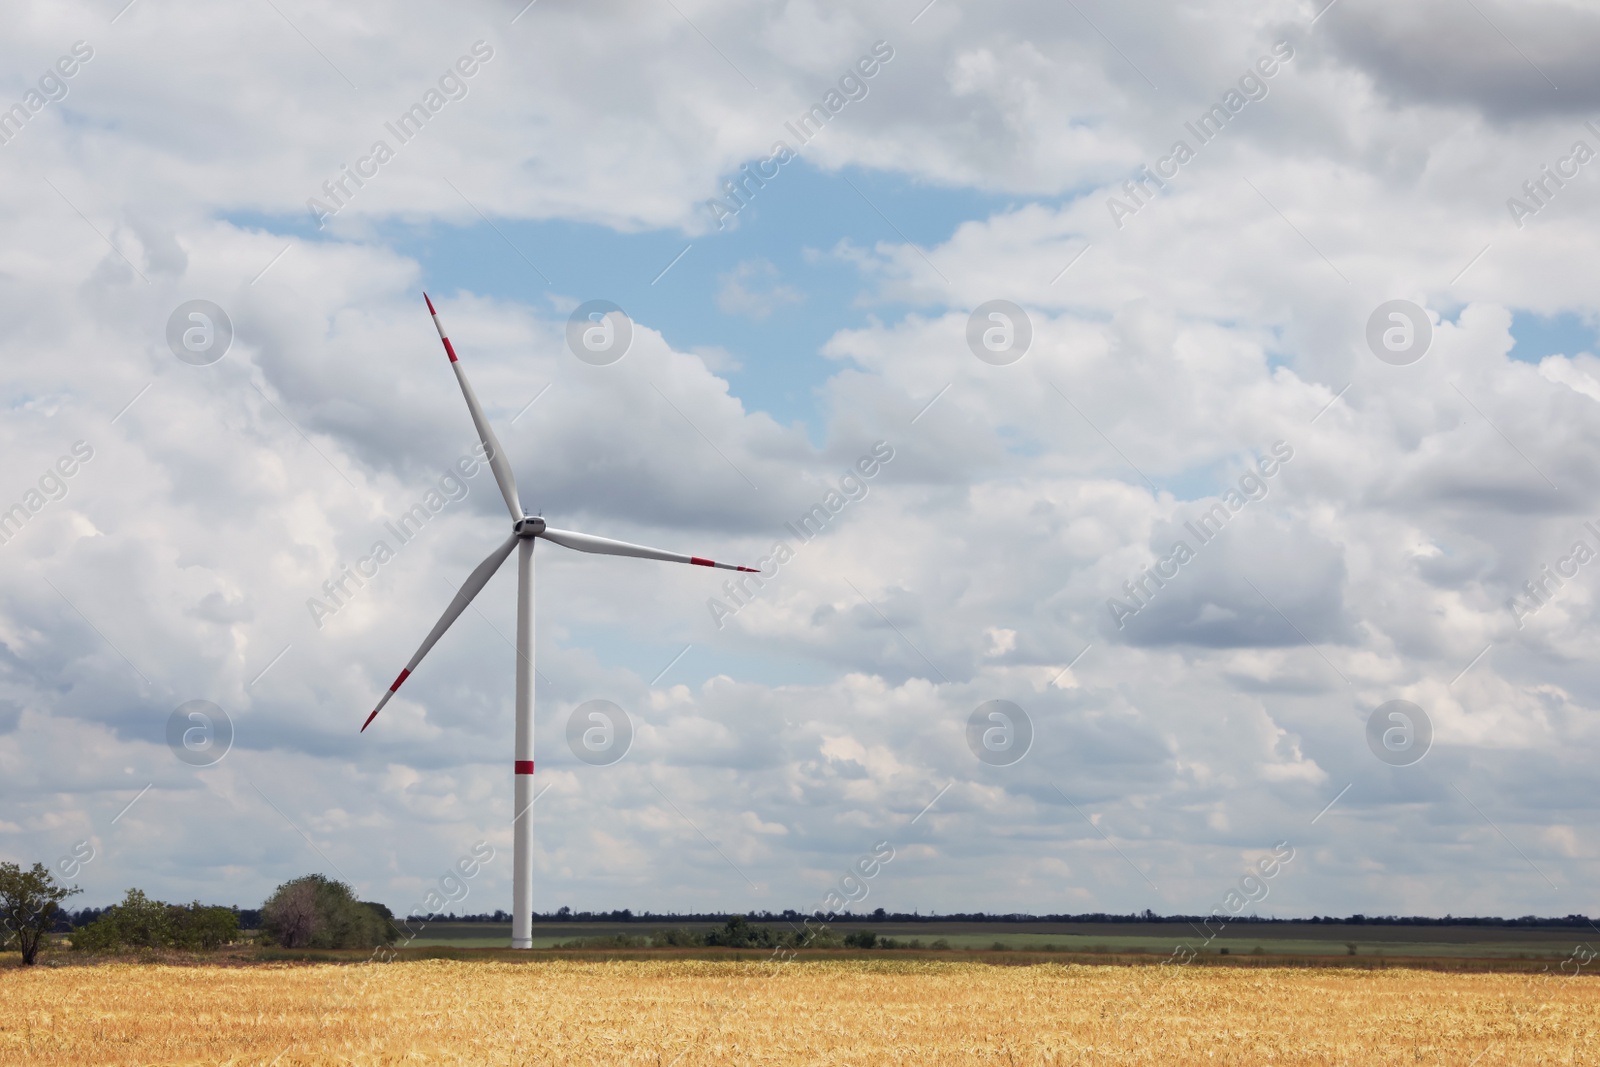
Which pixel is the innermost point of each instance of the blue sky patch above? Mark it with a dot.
(1538, 336)
(769, 290)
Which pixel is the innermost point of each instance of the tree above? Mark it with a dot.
(29, 902)
(289, 917)
(142, 922)
(139, 922)
(317, 912)
(200, 927)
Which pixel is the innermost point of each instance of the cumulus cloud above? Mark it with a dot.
(1171, 351)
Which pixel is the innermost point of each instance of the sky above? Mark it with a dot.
(1200, 400)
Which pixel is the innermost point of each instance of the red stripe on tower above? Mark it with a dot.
(524, 766)
(698, 562)
(403, 676)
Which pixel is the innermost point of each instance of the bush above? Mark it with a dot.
(941, 944)
(676, 937)
(821, 936)
(606, 941)
(317, 912)
(740, 934)
(98, 937)
(861, 939)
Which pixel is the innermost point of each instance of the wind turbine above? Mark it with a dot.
(524, 530)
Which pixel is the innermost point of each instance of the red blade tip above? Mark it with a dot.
(368, 723)
(750, 570)
(430, 305)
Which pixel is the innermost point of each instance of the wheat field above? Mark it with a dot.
(687, 1013)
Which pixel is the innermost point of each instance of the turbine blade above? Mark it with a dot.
(497, 459)
(469, 589)
(607, 547)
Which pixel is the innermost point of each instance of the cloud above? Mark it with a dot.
(1168, 356)
(752, 288)
(1508, 61)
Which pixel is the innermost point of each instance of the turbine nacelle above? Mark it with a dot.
(527, 527)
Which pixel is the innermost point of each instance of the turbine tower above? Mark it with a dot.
(524, 530)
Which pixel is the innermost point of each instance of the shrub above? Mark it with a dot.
(606, 941)
(676, 937)
(740, 934)
(861, 939)
(820, 936)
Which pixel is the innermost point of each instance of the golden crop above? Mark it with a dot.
(879, 1013)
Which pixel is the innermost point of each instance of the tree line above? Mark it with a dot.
(739, 932)
(880, 915)
(317, 912)
(308, 912)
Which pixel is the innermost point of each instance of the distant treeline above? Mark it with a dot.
(626, 915)
(250, 918)
(67, 921)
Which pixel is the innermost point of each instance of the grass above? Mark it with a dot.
(881, 1010)
(1238, 938)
